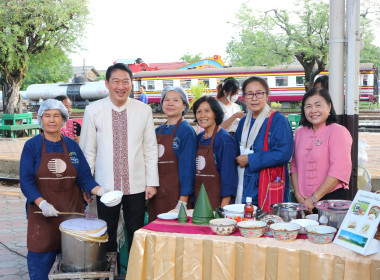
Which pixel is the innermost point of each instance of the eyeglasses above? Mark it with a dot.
(258, 94)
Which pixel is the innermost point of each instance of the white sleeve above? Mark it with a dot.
(150, 151)
(88, 139)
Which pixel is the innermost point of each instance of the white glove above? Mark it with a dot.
(101, 191)
(48, 210)
(178, 206)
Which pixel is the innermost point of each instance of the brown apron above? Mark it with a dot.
(169, 191)
(56, 181)
(207, 173)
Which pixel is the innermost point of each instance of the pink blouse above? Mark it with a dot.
(317, 155)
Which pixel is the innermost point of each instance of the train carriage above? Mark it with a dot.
(286, 83)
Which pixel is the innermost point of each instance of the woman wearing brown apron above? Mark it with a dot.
(215, 163)
(53, 171)
(176, 141)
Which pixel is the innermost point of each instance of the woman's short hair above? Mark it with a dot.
(326, 96)
(230, 85)
(324, 81)
(215, 107)
(255, 79)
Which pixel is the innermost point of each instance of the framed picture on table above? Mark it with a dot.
(358, 231)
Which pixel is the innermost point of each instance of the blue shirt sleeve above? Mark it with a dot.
(28, 162)
(31, 159)
(280, 145)
(185, 149)
(225, 151)
(144, 98)
(280, 142)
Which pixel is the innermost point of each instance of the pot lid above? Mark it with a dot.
(288, 206)
(341, 206)
(83, 224)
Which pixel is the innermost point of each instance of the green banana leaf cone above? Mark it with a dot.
(202, 213)
(182, 215)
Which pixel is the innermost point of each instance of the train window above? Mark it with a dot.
(281, 81)
(150, 85)
(300, 80)
(204, 82)
(168, 83)
(185, 83)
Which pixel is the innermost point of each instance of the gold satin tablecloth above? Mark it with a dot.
(157, 255)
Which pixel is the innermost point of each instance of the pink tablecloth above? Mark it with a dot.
(173, 226)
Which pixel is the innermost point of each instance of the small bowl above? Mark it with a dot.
(252, 229)
(222, 226)
(271, 219)
(304, 223)
(285, 231)
(320, 234)
(312, 217)
(111, 198)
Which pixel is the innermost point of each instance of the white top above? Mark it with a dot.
(96, 142)
(228, 112)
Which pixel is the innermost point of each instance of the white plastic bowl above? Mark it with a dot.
(312, 217)
(111, 198)
(304, 223)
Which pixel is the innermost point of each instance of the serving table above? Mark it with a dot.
(178, 255)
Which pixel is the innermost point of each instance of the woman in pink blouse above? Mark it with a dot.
(321, 164)
(72, 128)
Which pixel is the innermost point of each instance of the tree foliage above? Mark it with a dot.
(191, 58)
(49, 66)
(280, 36)
(28, 27)
(369, 18)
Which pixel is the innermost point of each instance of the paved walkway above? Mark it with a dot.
(12, 234)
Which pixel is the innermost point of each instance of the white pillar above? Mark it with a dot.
(336, 55)
(352, 86)
(353, 57)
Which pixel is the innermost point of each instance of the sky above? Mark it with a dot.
(161, 31)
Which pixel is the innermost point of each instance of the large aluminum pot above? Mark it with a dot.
(83, 245)
(289, 211)
(332, 212)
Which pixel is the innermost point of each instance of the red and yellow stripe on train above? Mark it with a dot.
(285, 82)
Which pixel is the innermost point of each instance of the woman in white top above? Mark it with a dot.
(227, 95)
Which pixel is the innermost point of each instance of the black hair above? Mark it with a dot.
(324, 80)
(118, 66)
(61, 97)
(323, 93)
(215, 107)
(255, 79)
(143, 87)
(230, 85)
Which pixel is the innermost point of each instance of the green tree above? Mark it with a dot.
(281, 36)
(28, 27)
(191, 58)
(370, 17)
(49, 66)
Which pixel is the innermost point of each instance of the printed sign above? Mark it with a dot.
(360, 225)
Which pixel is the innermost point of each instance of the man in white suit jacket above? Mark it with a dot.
(119, 143)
